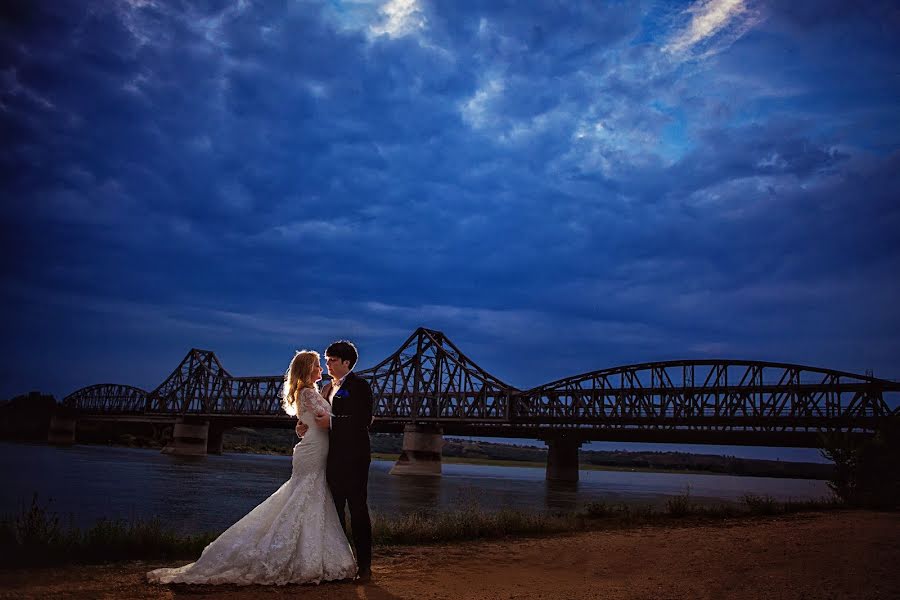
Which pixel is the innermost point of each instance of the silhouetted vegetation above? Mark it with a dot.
(867, 472)
(36, 537)
(465, 524)
(26, 417)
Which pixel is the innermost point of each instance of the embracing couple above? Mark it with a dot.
(297, 534)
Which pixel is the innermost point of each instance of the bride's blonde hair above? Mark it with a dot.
(299, 375)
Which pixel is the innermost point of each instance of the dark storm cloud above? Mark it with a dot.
(559, 188)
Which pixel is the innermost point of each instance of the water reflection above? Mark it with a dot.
(393, 494)
(210, 493)
(561, 496)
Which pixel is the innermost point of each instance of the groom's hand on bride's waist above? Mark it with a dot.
(301, 429)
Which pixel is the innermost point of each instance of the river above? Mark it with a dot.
(191, 495)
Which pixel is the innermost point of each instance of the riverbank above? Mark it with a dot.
(841, 554)
(37, 536)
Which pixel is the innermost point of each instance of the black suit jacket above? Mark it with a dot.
(349, 452)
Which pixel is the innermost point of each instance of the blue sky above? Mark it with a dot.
(559, 187)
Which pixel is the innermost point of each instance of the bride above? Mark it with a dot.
(294, 536)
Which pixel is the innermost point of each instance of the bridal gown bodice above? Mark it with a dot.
(293, 536)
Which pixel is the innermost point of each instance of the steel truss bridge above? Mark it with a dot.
(429, 381)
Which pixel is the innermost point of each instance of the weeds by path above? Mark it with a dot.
(36, 537)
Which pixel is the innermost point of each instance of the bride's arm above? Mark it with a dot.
(313, 402)
(323, 418)
(310, 401)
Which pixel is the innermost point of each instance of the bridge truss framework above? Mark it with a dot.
(429, 381)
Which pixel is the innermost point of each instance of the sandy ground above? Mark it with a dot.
(805, 556)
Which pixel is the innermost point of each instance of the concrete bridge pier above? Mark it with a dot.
(62, 430)
(214, 440)
(421, 454)
(188, 438)
(562, 458)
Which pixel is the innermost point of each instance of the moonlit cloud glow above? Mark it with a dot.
(400, 17)
(712, 26)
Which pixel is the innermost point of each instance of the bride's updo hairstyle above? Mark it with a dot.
(299, 375)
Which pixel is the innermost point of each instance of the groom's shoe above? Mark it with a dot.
(363, 576)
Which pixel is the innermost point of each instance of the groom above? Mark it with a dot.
(349, 453)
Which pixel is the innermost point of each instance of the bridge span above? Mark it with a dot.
(429, 388)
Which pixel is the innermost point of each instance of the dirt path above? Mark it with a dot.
(807, 556)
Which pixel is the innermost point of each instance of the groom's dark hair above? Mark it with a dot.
(343, 350)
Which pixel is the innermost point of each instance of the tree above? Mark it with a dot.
(867, 473)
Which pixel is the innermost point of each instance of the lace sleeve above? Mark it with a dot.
(310, 401)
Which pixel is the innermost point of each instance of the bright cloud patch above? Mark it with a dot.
(399, 18)
(712, 26)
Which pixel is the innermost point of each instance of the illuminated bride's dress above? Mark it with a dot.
(294, 536)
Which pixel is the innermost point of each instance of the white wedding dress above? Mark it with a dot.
(294, 536)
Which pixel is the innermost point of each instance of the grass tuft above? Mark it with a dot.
(762, 505)
(598, 510)
(681, 505)
(464, 524)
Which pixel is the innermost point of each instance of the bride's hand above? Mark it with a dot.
(301, 429)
